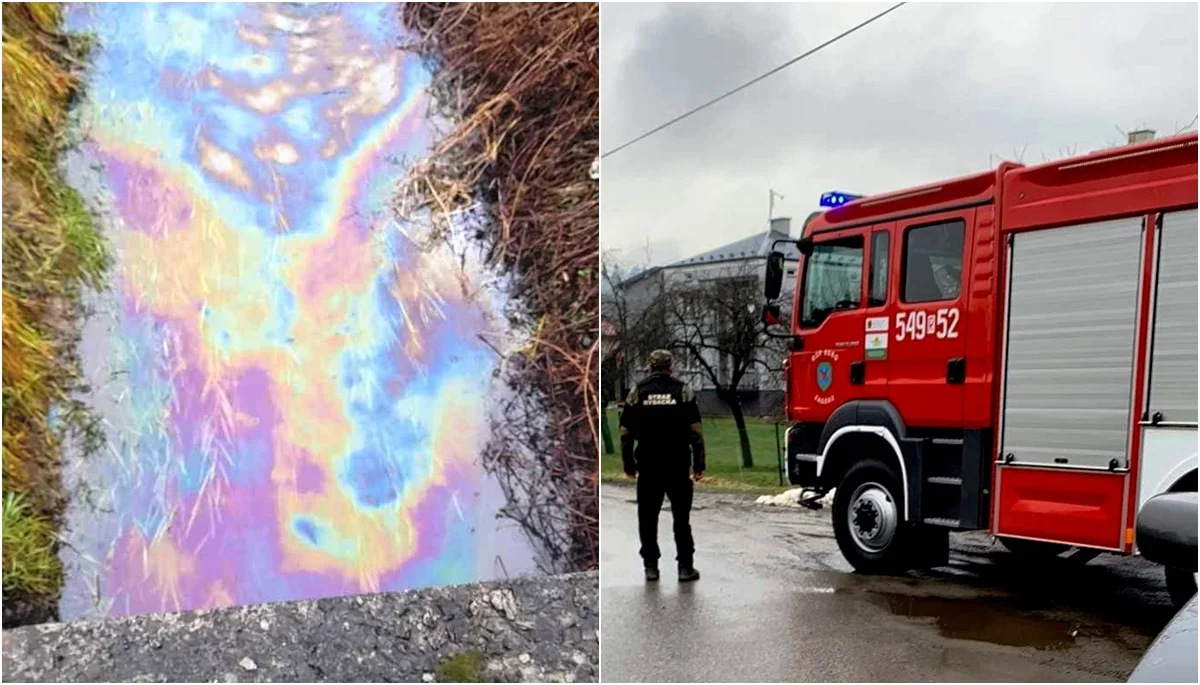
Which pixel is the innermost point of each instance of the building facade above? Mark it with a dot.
(761, 389)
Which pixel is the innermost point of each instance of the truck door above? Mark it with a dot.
(926, 356)
(829, 320)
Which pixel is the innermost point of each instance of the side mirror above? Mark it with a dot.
(805, 245)
(1166, 530)
(773, 282)
(770, 314)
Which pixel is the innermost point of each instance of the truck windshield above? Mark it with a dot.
(832, 279)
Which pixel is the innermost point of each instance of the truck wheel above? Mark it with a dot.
(1180, 584)
(867, 519)
(1034, 548)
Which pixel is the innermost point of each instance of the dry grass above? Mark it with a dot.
(520, 82)
(51, 251)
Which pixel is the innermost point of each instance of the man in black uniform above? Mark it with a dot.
(662, 418)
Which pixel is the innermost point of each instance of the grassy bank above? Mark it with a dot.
(724, 469)
(521, 82)
(52, 250)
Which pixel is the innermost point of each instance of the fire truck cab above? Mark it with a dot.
(1014, 351)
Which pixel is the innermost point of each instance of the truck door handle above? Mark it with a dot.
(857, 373)
(956, 371)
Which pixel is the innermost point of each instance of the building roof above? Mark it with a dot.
(639, 275)
(756, 246)
(751, 247)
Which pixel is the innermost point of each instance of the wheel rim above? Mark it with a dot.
(873, 517)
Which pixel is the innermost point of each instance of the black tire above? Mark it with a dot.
(1034, 548)
(897, 555)
(1180, 584)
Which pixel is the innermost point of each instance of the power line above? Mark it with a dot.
(751, 82)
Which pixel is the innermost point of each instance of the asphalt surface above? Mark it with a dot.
(776, 602)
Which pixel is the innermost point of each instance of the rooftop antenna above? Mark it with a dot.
(771, 207)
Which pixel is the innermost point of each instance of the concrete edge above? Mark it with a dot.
(531, 629)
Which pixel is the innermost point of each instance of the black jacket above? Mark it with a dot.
(662, 418)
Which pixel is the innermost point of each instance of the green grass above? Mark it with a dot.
(30, 565)
(52, 250)
(88, 249)
(460, 668)
(724, 469)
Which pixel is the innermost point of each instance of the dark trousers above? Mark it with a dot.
(650, 492)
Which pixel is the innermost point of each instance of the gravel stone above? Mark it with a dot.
(532, 629)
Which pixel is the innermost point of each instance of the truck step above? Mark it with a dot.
(944, 480)
(947, 441)
(943, 522)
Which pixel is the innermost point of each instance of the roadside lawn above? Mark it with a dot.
(724, 468)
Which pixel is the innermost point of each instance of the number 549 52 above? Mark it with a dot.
(935, 323)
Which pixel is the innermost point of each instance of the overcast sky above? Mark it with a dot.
(925, 93)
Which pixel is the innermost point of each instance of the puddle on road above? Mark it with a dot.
(991, 620)
(959, 611)
(292, 385)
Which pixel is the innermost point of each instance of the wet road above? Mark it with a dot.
(776, 602)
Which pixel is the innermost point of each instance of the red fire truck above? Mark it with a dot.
(1012, 351)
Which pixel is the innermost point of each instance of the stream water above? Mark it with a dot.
(294, 388)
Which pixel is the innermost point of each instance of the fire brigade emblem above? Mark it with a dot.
(822, 361)
(824, 376)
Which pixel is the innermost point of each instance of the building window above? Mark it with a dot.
(877, 280)
(832, 279)
(933, 257)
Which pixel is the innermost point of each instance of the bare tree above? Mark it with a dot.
(714, 327)
(613, 324)
(626, 335)
(623, 332)
(614, 327)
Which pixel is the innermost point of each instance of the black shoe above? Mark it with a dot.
(688, 574)
(651, 573)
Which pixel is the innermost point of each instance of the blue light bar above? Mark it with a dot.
(837, 198)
